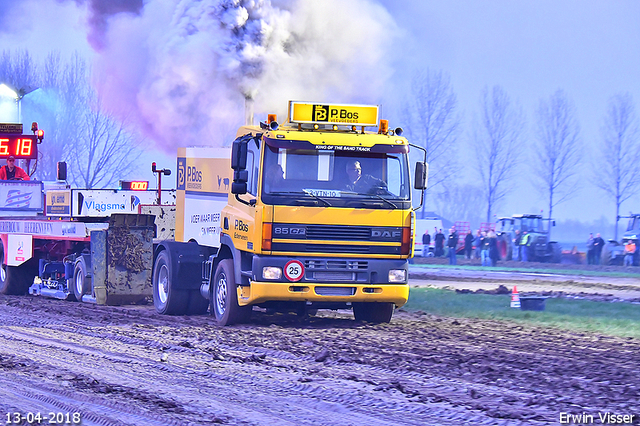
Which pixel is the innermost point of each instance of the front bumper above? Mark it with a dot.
(259, 292)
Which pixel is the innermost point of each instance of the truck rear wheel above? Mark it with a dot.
(224, 297)
(166, 299)
(375, 312)
(81, 281)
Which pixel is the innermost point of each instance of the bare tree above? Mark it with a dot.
(618, 167)
(557, 149)
(460, 202)
(105, 151)
(497, 140)
(434, 124)
(19, 71)
(63, 101)
(98, 148)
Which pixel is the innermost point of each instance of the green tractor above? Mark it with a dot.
(539, 248)
(613, 252)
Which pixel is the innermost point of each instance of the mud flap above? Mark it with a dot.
(122, 260)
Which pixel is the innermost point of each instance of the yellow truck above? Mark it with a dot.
(312, 214)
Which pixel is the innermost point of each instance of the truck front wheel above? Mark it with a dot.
(224, 300)
(375, 312)
(166, 299)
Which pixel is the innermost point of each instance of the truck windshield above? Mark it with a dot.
(336, 178)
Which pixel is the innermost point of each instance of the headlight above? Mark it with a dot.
(397, 275)
(271, 273)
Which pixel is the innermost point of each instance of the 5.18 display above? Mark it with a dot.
(20, 146)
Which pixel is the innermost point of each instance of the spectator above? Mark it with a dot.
(468, 244)
(590, 245)
(629, 251)
(477, 242)
(516, 244)
(493, 248)
(426, 240)
(452, 244)
(439, 243)
(484, 250)
(598, 245)
(12, 172)
(524, 243)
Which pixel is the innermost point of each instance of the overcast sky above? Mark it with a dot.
(531, 48)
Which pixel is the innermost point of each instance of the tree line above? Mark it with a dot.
(498, 138)
(100, 148)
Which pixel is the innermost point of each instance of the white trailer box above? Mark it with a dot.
(204, 181)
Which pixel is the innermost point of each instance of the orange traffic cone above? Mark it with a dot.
(515, 298)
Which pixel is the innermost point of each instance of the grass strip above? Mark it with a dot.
(609, 318)
(529, 270)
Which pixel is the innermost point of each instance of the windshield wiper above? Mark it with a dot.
(386, 201)
(301, 193)
(318, 198)
(369, 194)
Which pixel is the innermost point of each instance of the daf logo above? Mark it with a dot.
(385, 234)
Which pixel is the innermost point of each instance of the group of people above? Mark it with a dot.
(485, 243)
(594, 249)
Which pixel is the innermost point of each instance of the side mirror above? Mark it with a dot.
(238, 187)
(422, 170)
(240, 179)
(239, 165)
(239, 154)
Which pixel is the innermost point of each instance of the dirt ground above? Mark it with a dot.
(130, 366)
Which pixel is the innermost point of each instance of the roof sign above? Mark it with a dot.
(359, 115)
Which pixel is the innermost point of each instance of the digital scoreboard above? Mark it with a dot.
(20, 146)
(134, 185)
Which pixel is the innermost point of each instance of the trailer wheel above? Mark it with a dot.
(167, 300)
(81, 281)
(15, 279)
(224, 298)
(375, 312)
(7, 279)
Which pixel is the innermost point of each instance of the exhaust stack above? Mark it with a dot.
(248, 111)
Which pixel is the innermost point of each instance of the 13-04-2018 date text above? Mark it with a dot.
(50, 418)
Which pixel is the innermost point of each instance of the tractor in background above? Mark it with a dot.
(539, 247)
(613, 252)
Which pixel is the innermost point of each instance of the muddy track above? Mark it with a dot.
(128, 365)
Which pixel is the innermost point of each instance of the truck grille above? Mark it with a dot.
(336, 264)
(328, 232)
(334, 248)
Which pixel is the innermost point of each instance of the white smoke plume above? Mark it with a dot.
(183, 68)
